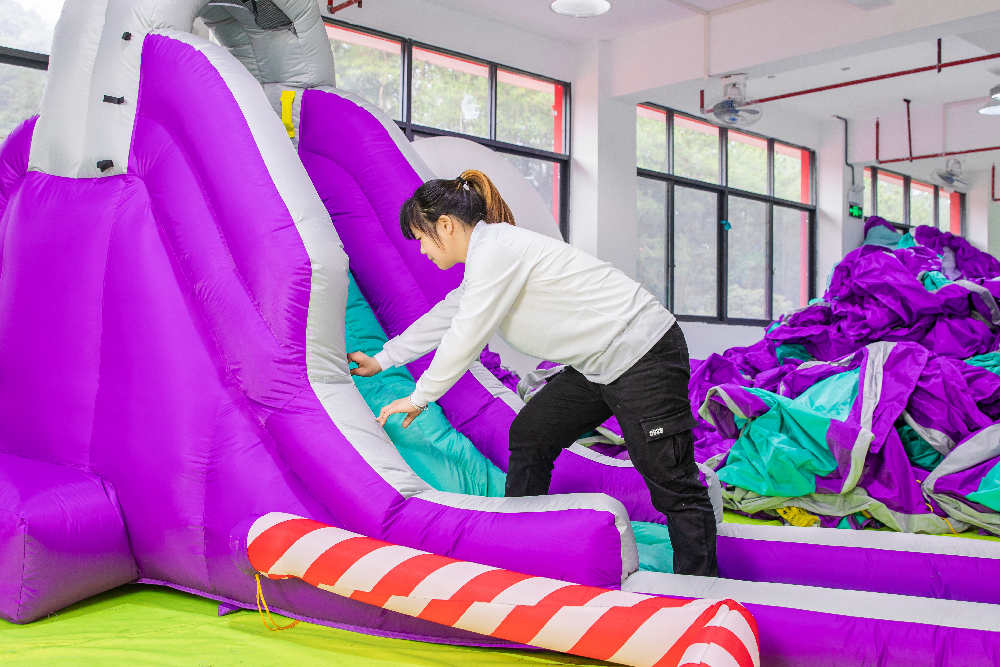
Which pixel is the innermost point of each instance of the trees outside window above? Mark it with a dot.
(726, 219)
(432, 92)
(907, 202)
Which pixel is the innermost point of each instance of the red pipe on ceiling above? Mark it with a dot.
(932, 155)
(938, 66)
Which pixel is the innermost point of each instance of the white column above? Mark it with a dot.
(602, 175)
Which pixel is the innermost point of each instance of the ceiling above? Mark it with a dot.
(625, 16)
(967, 84)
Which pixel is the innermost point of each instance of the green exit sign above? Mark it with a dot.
(854, 211)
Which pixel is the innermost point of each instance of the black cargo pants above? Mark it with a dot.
(650, 401)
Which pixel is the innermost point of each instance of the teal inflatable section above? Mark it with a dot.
(783, 451)
(442, 456)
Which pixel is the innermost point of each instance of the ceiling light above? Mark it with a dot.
(580, 8)
(993, 108)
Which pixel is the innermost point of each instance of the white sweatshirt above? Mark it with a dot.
(546, 298)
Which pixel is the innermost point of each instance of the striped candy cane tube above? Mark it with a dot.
(617, 626)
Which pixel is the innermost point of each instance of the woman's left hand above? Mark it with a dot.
(400, 405)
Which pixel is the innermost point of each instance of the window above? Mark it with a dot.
(726, 219)
(450, 93)
(370, 66)
(432, 92)
(907, 202)
(651, 138)
(889, 195)
(746, 162)
(530, 111)
(695, 149)
(25, 41)
(921, 204)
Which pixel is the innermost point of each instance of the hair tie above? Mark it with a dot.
(462, 183)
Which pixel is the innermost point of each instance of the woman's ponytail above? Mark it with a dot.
(496, 208)
(471, 197)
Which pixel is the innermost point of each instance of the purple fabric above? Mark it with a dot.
(792, 638)
(62, 538)
(971, 262)
(964, 482)
(492, 362)
(942, 576)
(875, 221)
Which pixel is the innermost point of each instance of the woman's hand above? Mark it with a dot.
(367, 366)
(400, 405)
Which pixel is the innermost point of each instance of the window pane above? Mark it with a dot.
(696, 219)
(696, 149)
(369, 66)
(747, 295)
(651, 138)
(529, 111)
(890, 197)
(791, 173)
(450, 93)
(746, 160)
(790, 286)
(543, 176)
(651, 201)
(28, 24)
(20, 95)
(950, 210)
(921, 203)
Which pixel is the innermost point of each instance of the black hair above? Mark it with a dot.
(470, 198)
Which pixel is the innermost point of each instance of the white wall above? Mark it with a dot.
(705, 339)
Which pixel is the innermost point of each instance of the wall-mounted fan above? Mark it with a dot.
(732, 109)
(951, 175)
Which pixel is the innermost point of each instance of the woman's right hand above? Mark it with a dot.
(367, 366)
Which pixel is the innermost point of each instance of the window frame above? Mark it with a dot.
(906, 224)
(723, 191)
(411, 129)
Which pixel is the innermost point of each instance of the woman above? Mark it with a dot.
(624, 353)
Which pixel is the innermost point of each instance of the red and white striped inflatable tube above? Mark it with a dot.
(612, 625)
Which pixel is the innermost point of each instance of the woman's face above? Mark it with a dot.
(445, 250)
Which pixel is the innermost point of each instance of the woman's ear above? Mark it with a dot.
(446, 225)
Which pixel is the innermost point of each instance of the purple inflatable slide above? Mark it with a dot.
(173, 366)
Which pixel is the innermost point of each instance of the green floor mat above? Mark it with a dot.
(150, 625)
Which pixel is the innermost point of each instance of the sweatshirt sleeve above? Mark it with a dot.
(423, 335)
(493, 282)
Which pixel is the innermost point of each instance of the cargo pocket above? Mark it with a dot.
(661, 428)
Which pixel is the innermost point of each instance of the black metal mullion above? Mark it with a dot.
(669, 258)
(722, 261)
(769, 262)
(20, 58)
(906, 202)
(812, 255)
(770, 168)
(408, 89)
(670, 142)
(722, 265)
(491, 78)
(564, 199)
(874, 190)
